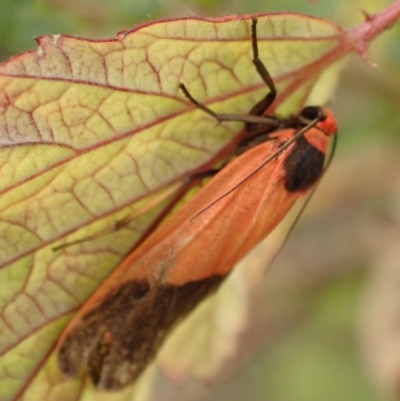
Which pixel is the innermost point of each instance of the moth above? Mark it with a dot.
(119, 330)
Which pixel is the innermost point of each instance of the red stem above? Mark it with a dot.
(359, 37)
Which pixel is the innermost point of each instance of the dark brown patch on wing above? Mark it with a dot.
(122, 335)
(303, 166)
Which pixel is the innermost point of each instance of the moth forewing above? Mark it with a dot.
(209, 342)
(122, 326)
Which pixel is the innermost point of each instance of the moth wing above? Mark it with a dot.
(209, 344)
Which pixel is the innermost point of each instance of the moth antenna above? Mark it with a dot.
(127, 219)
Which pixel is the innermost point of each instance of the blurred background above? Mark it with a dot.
(326, 324)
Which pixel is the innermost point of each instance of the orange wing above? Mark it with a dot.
(120, 329)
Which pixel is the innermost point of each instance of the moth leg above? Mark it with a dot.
(177, 188)
(220, 117)
(257, 133)
(263, 105)
(255, 118)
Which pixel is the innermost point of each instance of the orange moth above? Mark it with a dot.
(122, 326)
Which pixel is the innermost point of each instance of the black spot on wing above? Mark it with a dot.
(303, 166)
(123, 334)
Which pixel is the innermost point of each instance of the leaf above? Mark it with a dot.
(91, 128)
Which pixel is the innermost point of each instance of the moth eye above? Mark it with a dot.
(310, 113)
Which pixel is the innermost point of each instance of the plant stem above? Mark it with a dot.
(360, 37)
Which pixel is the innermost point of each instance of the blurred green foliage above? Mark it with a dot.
(318, 359)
